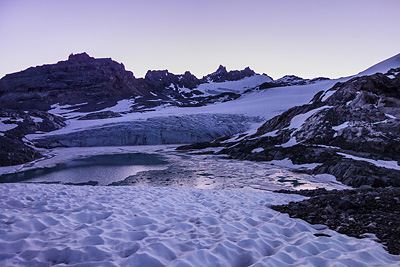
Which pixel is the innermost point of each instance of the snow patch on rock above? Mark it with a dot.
(298, 120)
(289, 164)
(237, 87)
(379, 163)
(257, 150)
(6, 126)
(341, 126)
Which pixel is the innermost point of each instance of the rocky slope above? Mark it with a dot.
(290, 80)
(13, 148)
(359, 213)
(352, 131)
(80, 79)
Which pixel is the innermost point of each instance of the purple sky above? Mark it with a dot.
(305, 38)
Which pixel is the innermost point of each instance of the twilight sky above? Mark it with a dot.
(308, 38)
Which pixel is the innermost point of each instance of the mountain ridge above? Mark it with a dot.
(101, 83)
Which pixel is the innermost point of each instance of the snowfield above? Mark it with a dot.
(238, 87)
(43, 225)
(382, 67)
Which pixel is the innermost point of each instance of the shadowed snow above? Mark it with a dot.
(145, 226)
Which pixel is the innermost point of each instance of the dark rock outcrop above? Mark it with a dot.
(13, 151)
(100, 115)
(352, 212)
(158, 80)
(290, 80)
(13, 148)
(79, 79)
(222, 75)
(30, 122)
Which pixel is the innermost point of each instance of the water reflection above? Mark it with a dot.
(215, 172)
(96, 170)
(155, 166)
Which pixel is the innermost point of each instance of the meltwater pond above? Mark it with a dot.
(161, 166)
(95, 170)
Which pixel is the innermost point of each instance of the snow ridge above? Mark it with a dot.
(382, 67)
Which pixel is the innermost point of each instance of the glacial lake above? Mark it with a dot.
(161, 166)
(94, 170)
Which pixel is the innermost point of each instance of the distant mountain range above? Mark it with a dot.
(100, 83)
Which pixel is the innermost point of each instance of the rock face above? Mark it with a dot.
(161, 79)
(167, 88)
(13, 150)
(30, 122)
(352, 130)
(100, 115)
(80, 79)
(290, 80)
(222, 75)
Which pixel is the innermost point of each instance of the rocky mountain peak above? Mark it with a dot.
(188, 80)
(158, 80)
(221, 69)
(188, 73)
(290, 78)
(247, 71)
(222, 75)
(80, 79)
(79, 58)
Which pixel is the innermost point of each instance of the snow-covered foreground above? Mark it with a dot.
(43, 225)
